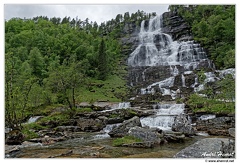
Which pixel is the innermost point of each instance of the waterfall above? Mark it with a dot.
(183, 81)
(121, 105)
(106, 130)
(34, 119)
(158, 48)
(164, 117)
(172, 67)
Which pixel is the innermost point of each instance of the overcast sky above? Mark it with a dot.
(99, 13)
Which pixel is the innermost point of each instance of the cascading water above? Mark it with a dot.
(157, 48)
(34, 119)
(164, 117)
(106, 130)
(178, 62)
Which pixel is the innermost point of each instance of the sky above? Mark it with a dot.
(94, 12)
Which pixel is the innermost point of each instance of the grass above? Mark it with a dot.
(46, 110)
(113, 90)
(28, 130)
(125, 140)
(202, 104)
(58, 117)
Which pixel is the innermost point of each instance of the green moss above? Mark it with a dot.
(125, 140)
(132, 112)
(114, 115)
(201, 76)
(59, 118)
(82, 110)
(28, 130)
(34, 126)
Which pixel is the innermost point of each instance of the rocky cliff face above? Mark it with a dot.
(163, 66)
(174, 25)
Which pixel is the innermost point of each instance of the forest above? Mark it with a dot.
(51, 61)
(54, 61)
(213, 26)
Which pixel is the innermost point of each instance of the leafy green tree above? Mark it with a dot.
(36, 62)
(227, 88)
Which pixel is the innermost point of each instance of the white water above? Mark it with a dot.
(157, 48)
(165, 116)
(183, 81)
(207, 117)
(121, 105)
(106, 130)
(34, 119)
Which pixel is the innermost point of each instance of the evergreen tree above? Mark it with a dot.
(102, 62)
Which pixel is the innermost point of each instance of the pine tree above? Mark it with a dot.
(102, 62)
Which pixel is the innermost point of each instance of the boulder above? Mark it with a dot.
(174, 138)
(232, 132)
(14, 137)
(181, 124)
(216, 126)
(90, 124)
(123, 128)
(145, 134)
(209, 148)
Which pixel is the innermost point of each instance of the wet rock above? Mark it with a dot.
(47, 140)
(176, 26)
(90, 124)
(216, 126)
(232, 132)
(68, 128)
(173, 138)
(189, 79)
(14, 137)
(228, 149)
(208, 148)
(181, 124)
(145, 144)
(146, 135)
(123, 128)
(114, 120)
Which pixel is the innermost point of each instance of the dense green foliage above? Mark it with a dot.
(214, 27)
(51, 61)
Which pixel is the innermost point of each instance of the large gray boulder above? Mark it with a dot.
(90, 124)
(209, 148)
(145, 134)
(182, 124)
(217, 126)
(123, 128)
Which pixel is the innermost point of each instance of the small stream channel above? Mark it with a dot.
(87, 145)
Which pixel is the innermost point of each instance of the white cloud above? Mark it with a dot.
(94, 12)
